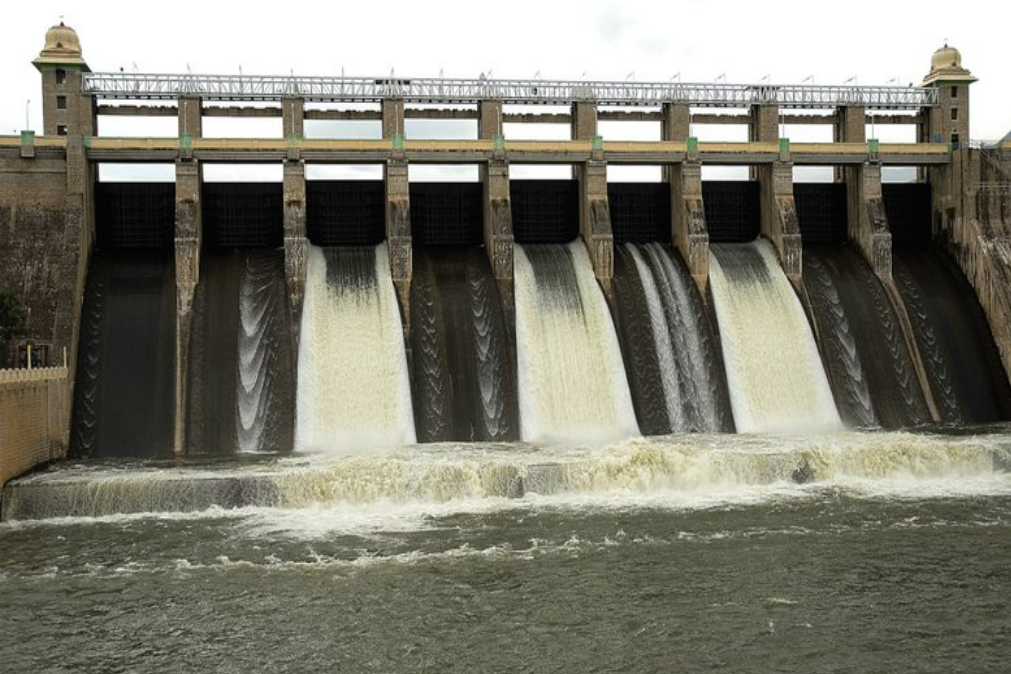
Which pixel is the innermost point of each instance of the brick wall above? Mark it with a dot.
(34, 419)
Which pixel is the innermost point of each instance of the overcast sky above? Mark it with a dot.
(877, 42)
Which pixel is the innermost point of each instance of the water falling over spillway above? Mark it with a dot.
(264, 387)
(241, 367)
(123, 393)
(865, 352)
(463, 374)
(670, 351)
(572, 383)
(774, 372)
(353, 386)
(957, 348)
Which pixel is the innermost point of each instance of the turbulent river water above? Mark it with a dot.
(845, 552)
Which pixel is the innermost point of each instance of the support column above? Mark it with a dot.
(594, 211)
(689, 231)
(763, 128)
(393, 117)
(188, 234)
(190, 117)
(595, 219)
(688, 216)
(498, 218)
(583, 126)
(865, 217)
(296, 244)
(779, 213)
(584, 120)
(850, 127)
(292, 118)
(676, 123)
(398, 233)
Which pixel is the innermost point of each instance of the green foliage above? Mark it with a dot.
(12, 317)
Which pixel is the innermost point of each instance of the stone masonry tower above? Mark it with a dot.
(949, 122)
(61, 65)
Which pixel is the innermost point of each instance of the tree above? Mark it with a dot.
(12, 320)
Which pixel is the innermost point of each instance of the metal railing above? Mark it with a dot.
(545, 92)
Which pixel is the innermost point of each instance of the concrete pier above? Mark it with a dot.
(594, 210)
(779, 211)
(866, 218)
(398, 232)
(296, 242)
(188, 239)
(688, 214)
(498, 218)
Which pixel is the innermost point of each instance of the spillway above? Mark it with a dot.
(353, 389)
(958, 352)
(241, 375)
(671, 354)
(866, 356)
(463, 375)
(571, 379)
(774, 372)
(124, 389)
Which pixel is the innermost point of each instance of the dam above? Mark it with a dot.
(705, 406)
(213, 318)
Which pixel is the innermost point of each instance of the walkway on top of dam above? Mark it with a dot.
(474, 151)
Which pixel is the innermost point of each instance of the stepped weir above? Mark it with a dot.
(390, 311)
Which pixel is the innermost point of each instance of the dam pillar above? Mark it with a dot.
(779, 211)
(595, 219)
(398, 232)
(594, 211)
(867, 225)
(675, 124)
(188, 235)
(498, 217)
(190, 117)
(850, 127)
(296, 244)
(398, 206)
(292, 118)
(689, 233)
(688, 216)
(393, 117)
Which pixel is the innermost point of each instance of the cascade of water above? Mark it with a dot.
(866, 355)
(126, 358)
(260, 317)
(353, 386)
(774, 372)
(839, 345)
(689, 340)
(464, 388)
(962, 363)
(572, 383)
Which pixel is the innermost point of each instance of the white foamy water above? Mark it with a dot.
(406, 489)
(353, 387)
(572, 384)
(774, 372)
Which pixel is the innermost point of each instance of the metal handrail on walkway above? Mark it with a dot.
(522, 91)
